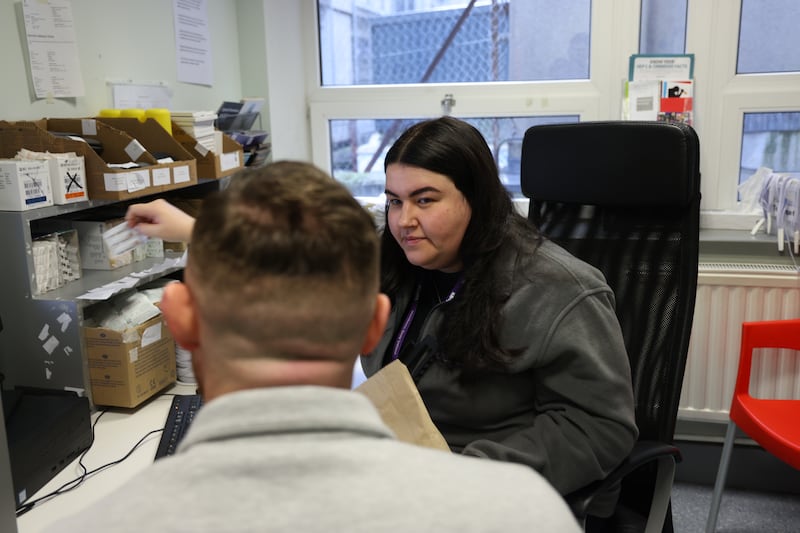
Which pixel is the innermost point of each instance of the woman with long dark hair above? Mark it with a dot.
(513, 342)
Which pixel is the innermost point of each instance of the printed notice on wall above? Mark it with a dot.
(140, 95)
(192, 42)
(52, 48)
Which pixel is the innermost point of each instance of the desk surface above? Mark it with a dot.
(115, 434)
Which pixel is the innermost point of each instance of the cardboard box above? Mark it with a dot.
(209, 164)
(126, 368)
(161, 144)
(94, 253)
(24, 184)
(147, 136)
(68, 180)
(104, 180)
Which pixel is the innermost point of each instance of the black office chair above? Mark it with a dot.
(625, 197)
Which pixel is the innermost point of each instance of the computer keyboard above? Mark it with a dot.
(181, 414)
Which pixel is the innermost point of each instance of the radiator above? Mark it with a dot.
(727, 295)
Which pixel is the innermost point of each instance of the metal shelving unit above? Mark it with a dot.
(41, 344)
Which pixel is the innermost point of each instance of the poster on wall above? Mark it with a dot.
(129, 94)
(192, 42)
(52, 48)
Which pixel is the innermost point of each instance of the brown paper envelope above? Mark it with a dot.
(397, 399)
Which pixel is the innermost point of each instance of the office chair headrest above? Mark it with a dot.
(649, 163)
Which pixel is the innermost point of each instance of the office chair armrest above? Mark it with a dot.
(643, 452)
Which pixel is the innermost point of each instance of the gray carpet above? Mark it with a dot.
(740, 511)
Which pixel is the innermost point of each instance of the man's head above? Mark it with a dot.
(281, 285)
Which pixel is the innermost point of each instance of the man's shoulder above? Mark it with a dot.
(477, 490)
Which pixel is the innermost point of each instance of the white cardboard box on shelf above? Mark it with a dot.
(24, 184)
(68, 179)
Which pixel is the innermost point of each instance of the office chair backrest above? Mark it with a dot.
(625, 197)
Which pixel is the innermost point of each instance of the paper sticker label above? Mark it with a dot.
(160, 176)
(229, 161)
(137, 180)
(202, 150)
(50, 345)
(34, 178)
(151, 335)
(134, 150)
(73, 178)
(89, 126)
(115, 182)
(181, 174)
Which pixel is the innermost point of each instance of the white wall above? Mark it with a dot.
(253, 53)
(290, 59)
(122, 40)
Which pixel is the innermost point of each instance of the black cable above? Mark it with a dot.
(74, 483)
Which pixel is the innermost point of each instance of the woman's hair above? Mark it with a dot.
(469, 335)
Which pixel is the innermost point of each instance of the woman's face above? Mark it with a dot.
(427, 216)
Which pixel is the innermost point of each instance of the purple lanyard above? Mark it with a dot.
(412, 310)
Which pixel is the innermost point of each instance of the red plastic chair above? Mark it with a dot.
(773, 424)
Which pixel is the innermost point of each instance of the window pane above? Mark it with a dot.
(770, 140)
(367, 42)
(663, 27)
(768, 36)
(358, 148)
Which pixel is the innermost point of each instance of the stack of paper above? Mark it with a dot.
(198, 124)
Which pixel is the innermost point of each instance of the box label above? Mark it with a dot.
(181, 174)
(69, 179)
(115, 182)
(202, 150)
(151, 335)
(137, 180)
(229, 161)
(132, 181)
(33, 182)
(161, 176)
(134, 150)
(89, 127)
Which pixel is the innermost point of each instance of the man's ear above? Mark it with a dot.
(178, 308)
(378, 323)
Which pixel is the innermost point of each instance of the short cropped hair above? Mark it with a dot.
(285, 252)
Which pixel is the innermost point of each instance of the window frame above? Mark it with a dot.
(589, 99)
(722, 96)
